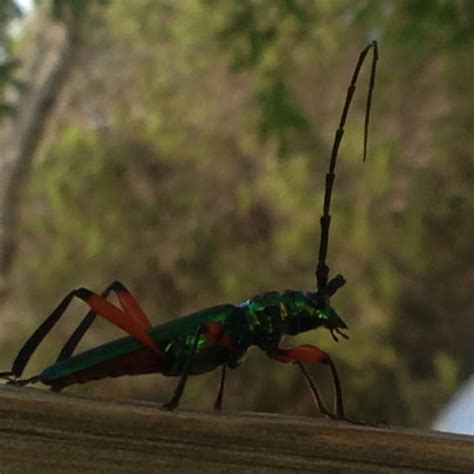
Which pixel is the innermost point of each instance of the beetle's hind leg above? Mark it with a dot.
(23, 382)
(8, 377)
(129, 318)
(127, 301)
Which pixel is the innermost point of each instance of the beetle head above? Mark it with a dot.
(326, 315)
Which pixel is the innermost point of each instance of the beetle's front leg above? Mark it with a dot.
(318, 399)
(310, 353)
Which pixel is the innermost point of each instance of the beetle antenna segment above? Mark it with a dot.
(368, 107)
(322, 269)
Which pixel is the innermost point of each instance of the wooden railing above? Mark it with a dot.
(41, 432)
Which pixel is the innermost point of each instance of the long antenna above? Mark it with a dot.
(322, 269)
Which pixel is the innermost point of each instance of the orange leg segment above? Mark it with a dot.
(131, 319)
(131, 306)
(303, 353)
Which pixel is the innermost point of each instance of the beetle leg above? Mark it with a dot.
(174, 402)
(310, 353)
(9, 376)
(214, 333)
(23, 382)
(315, 391)
(132, 324)
(220, 390)
(127, 302)
(121, 318)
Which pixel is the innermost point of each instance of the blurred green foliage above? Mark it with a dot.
(189, 163)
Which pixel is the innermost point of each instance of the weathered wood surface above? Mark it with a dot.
(42, 432)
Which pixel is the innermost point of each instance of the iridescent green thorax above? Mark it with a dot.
(288, 312)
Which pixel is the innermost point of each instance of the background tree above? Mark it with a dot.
(9, 14)
(56, 37)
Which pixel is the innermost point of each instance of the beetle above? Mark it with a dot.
(212, 338)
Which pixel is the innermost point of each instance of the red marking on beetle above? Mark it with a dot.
(214, 333)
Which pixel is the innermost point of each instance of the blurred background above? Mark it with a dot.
(181, 148)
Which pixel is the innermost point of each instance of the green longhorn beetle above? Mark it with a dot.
(211, 338)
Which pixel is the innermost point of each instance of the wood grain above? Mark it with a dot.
(42, 432)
